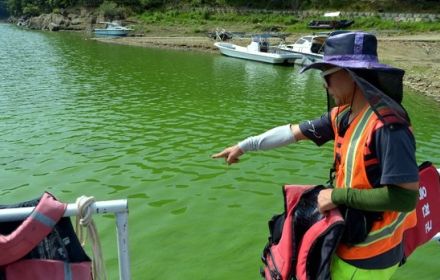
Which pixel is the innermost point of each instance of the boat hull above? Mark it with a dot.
(105, 32)
(243, 53)
(306, 59)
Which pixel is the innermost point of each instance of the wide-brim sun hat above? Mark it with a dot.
(355, 50)
(380, 83)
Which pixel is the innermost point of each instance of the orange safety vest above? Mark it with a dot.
(352, 157)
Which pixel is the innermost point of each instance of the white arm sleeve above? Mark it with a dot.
(274, 138)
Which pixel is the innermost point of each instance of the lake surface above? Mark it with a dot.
(79, 117)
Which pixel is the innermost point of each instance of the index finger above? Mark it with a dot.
(219, 155)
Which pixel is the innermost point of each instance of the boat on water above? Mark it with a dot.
(258, 50)
(112, 29)
(310, 47)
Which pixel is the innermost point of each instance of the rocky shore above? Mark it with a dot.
(80, 19)
(418, 55)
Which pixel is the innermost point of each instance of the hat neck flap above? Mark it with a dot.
(388, 110)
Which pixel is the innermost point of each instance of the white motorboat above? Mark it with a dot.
(311, 47)
(112, 29)
(258, 50)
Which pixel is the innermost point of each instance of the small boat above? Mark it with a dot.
(112, 29)
(258, 50)
(332, 23)
(311, 47)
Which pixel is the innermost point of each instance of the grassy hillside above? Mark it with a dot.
(33, 7)
(202, 20)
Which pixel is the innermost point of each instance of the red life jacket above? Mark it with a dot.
(427, 209)
(32, 249)
(301, 240)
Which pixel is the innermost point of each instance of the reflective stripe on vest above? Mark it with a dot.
(47, 221)
(353, 145)
(32, 230)
(67, 271)
(387, 233)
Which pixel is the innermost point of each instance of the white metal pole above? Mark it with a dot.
(99, 207)
(123, 255)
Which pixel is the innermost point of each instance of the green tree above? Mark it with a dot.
(112, 11)
(14, 7)
(61, 3)
(127, 2)
(90, 3)
(3, 9)
(31, 10)
(152, 3)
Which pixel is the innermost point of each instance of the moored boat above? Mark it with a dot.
(332, 23)
(112, 29)
(310, 47)
(258, 50)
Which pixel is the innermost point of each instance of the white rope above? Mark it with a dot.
(85, 220)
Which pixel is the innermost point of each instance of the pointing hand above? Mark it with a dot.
(230, 154)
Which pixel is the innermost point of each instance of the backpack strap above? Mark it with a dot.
(318, 245)
(279, 253)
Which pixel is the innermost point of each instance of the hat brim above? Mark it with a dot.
(351, 64)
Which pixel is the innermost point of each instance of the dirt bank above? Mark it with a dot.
(419, 54)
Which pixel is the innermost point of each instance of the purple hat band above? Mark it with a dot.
(355, 61)
(351, 57)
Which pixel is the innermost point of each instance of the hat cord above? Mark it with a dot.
(350, 111)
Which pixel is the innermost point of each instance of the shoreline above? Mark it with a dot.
(418, 55)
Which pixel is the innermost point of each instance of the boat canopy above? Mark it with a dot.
(332, 14)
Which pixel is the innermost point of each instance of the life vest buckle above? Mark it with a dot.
(264, 253)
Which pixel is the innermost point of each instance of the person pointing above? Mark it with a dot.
(375, 174)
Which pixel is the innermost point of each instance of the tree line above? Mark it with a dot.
(36, 7)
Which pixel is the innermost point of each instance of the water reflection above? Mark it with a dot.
(259, 73)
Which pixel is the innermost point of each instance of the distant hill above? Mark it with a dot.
(33, 8)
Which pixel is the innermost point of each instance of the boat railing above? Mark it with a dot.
(118, 207)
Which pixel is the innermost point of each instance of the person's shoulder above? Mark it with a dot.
(396, 128)
(394, 133)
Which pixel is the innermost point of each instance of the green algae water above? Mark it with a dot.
(79, 117)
